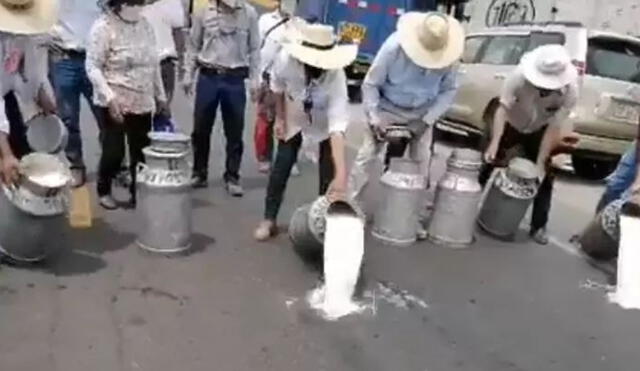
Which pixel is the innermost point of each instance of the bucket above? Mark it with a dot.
(47, 134)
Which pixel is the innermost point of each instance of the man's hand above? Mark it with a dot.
(116, 112)
(566, 144)
(163, 108)
(187, 87)
(280, 130)
(379, 130)
(491, 152)
(338, 188)
(254, 94)
(9, 170)
(46, 102)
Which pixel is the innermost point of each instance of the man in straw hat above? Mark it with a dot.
(224, 47)
(21, 74)
(311, 98)
(412, 82)
(535, 101)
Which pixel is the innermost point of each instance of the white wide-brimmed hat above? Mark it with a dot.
(28, 16)
(317, 46)
(549, 67)
(431, 40)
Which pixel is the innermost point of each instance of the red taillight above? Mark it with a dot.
(581, 67)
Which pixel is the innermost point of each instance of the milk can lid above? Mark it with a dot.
(163, 136)
(46, 134)
(45, 170)
(522, 168)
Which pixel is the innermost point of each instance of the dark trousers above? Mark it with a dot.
(229, 93)
(70, 81)
(135, 130)
(17, 130)
(530, 146)
(286, 157)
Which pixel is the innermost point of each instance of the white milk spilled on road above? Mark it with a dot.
(627, 293)
(343, 252)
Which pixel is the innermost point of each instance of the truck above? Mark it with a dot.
(367, 23)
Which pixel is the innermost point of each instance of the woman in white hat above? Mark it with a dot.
(123, 66)
(412, 82)
(21, 73)
(311, 97)
(536, 100)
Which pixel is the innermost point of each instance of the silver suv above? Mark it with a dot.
(608, 111)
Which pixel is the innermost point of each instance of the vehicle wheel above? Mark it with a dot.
(592, 169)
(355, 93)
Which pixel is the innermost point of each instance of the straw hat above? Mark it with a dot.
(549, 67)
(28, 16)
(431, 40)
(316, 45)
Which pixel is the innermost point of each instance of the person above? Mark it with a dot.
(536, 99)
(167, 18)
(412, 82)
(272, 26)
(224, 47)
(625, 180)
(310, 90)
(23, 78)
(123, 66)
(69, 76)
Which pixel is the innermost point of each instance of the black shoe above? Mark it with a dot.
(198, 181)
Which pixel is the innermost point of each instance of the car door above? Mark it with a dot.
(482, 76)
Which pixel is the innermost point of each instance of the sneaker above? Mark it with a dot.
(199, 182)
(234, 189)
(540, 236)
(264, 167)
(295, 170)
(78, 177)
(108, 203)
(265, 231)
(421, 234)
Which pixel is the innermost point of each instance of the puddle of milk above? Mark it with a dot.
(343, 251)
(627, 293)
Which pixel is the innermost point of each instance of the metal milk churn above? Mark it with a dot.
(164, 194)
(32, 212)
(396, 220)
(601, 237)
(457, 200)
(508, 199)
(308, 225)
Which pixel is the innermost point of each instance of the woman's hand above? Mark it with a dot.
(46, 102)
(491, 152)
(9, 170)
(116, 112)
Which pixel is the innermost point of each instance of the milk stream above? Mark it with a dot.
(343, 252)
(627, 293)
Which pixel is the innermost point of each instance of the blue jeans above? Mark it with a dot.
(620, 181)
(229, 93)
(70, 81)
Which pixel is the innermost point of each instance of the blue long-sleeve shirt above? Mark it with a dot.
(398, 90)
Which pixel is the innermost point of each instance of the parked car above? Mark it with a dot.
(368, 23)
(608, 110)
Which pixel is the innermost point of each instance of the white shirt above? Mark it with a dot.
(165, 16)
(272, 45)
(529, 112)
(74, 23)
(329, 96)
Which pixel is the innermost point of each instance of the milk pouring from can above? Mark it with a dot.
(509, 197)
(164, 195)
(457, 200)
(396, 220)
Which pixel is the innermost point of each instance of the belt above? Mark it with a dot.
(224, 71)
(74, 53)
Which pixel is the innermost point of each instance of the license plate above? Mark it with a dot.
(626, 112)
(352, 32)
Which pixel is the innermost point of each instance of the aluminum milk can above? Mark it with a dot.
(601, 237)
(457, 200)
(509, 197)
(308, 225)
(396, 220)
(32, 213)
(164, 195)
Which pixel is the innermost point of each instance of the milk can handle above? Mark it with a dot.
(141, 169)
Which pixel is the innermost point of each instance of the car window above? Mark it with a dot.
(471, 48)
(545, 38)
(504, 50)
(614, 59)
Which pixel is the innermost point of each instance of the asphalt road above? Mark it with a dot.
(234, 304)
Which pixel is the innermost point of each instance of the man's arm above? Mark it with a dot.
(278, 87)
(338, 116)
(193, 48)
(636, 184)
(254, 49)
(376, 78)
(445, 98)
(507, 99)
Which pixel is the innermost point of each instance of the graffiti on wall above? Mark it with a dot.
(509, 11)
